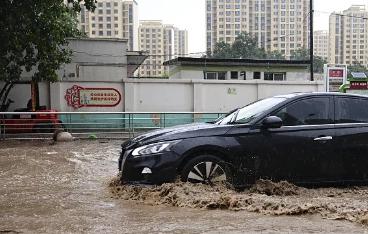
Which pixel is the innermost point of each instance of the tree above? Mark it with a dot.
(300, 54)
(275, 55)
(318, 64)
(244, 46)
(34, 37)
(222, 50)
(303, 54)
(357, 67)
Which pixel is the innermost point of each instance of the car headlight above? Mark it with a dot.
(154, 148)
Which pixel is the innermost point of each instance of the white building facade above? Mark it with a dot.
(320, 42)
(162, 42)
(281, 25)
(348, 39)
(112, 19)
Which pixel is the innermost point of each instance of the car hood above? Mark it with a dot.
(182, 131)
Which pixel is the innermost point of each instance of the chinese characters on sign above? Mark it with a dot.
(336, 73)
(358, 85)
(78, 97)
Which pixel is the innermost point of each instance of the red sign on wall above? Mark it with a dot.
(358, 85)
(336, 73)
(78, 97)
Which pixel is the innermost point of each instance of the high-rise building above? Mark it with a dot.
(112, 19)
(348, 40)
(320, 42)
(162, 42)
(182, 43)
(281, 25)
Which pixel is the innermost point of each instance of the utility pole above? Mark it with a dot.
(311, 39)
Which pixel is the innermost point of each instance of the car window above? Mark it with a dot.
(310, 111)
(351, 110)
(250, 112)
(246, 114)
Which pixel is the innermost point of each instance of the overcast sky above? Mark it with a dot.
(190, 15)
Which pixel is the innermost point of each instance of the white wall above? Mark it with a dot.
(205, 95)
(96, 60)
(156, 95)
(148, 95)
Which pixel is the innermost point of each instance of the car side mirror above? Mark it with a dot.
(272, 122)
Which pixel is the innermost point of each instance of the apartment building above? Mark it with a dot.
(163, 42)
(112, 19)
(348, 40)
(320, 43)
(281, 25)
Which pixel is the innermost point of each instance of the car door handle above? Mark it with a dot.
(324, 138)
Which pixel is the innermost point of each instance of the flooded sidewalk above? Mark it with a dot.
(64, 188)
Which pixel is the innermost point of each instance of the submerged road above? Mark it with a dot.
(63, 188)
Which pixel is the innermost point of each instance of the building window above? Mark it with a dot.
(280, 76)
(215, 75)
(210, 76)
(221, 76)
(268, 76)
(234, 75)
(243, 75)
(256, 75)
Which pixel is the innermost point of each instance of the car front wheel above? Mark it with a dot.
(206, 169)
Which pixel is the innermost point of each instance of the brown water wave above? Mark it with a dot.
(264, 197)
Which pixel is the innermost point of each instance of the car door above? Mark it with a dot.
(299, 151)
(351, 118)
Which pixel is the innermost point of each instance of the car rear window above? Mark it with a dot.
(351, 110)
(311, 111)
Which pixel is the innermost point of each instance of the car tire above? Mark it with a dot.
(206, 169)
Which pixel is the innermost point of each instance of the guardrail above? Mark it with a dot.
(40, 125)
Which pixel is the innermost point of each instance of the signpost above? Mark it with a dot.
(335, 77)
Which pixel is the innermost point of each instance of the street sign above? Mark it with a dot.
(335, 76)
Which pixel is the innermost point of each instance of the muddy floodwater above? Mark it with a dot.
(72, 188)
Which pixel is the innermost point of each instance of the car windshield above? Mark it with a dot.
(248, 113)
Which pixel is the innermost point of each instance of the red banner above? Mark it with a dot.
(78, 97)
(359, 85)
(336, 73)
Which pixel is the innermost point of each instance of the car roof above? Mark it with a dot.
(309, 94)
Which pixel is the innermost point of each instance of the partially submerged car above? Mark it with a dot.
(303, 138)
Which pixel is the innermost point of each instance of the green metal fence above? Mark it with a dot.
(33, 125)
